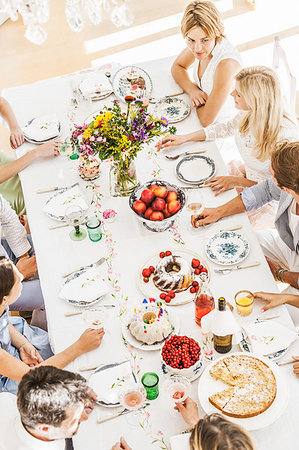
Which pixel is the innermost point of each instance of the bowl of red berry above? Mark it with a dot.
(181, 355)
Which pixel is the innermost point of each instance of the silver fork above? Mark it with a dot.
(194, 152)
(243, 266)
(97, 263)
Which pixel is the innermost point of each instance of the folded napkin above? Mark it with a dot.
(85, 288)
(107, 383)
(62, 200)
(180, 442)
(95, 83)
(269, 337)
(42, 128)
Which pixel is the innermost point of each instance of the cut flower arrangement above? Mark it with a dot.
(119, 136)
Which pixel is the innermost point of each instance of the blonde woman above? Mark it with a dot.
(215, 60)
(257, 129)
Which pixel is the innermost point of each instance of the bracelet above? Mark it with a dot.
(279, 274)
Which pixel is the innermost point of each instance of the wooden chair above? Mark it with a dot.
(286, 78)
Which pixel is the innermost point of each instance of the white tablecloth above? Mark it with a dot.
(128, 243)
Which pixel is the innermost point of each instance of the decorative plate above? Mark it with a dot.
(150, 290)
(208, 386)
(100, 369)
(196, 371)
(62, 217)
(174, 319)
(195, 169)
(172, 108)
(75, 302)
(227, 247)
(123, 83)
(34, 141)
(245, 347)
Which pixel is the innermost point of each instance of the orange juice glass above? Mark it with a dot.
(244, 302)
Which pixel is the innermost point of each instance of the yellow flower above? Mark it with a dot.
(87, 133)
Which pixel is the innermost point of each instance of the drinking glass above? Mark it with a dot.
(244, 302)
(74, 216)
(178, 388)
(195, 205)
(150, 381)
(132, 397)
(93, 226)
(95, 318)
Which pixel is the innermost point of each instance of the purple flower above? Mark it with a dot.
(164, 121)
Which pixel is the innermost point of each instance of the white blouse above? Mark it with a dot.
(223, 50)
(256, 170)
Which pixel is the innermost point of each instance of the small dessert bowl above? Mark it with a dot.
(244, 302)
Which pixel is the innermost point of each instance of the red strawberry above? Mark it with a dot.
(204, 270)
(146, 280)
(162, 254)
(167, 299)
(152, 269)
(146, 273)
(171, 294)
(197, 271)
(168, 253)
(195, 283)
(195, 263)
(192, 290)
(163, 295)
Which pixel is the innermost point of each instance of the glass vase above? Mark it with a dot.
(123, 178)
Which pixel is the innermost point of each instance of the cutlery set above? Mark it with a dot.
(94, 264)
(56, 188)
(242, 266)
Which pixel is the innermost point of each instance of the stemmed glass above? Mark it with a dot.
(132, 397)
(74, 216)
(195, 206)
(178, 388)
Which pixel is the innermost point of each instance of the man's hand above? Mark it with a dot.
(189, 411)
(16, 137)
(296, 366)
(90, 339)
(209, 215)
(121, 445)
(29, 355)
(273, 267)
(27, 266)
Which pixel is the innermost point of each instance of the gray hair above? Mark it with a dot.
(46, 393)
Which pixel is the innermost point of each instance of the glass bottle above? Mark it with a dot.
(204, 302)
(222, 344)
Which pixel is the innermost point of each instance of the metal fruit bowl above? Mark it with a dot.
(166, 223)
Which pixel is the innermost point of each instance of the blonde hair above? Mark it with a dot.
(260, 88)
(285, 165)
(204, 15)
(214, 432)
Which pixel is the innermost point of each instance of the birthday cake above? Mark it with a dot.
(150, 323)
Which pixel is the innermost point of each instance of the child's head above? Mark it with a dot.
(215, 432)
(10, 282)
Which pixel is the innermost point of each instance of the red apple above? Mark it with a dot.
(139, 207)
(172, 195)
(160, 191)
(158, 204)
(147, 196)
(148, 213)
(153, 187)
(157, 215)
(174, 207)
(166, 212)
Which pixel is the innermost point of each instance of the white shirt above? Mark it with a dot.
(12, 432)
(293, 218)
(256, 170)
(223, 50)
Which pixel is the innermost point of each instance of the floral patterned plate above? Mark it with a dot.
(124, 84)
(71, 277)
(245, 347)
(227, 248)
(174, 109)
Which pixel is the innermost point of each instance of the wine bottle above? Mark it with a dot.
(222, 344)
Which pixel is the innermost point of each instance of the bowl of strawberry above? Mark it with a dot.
(181, 355)
(157, 203)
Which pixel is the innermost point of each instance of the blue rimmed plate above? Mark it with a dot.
(227, 248)
(123, 81)
(75, 302)
(195, 169)
(172, 108)
(245, 347)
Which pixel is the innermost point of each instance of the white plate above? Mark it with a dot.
(150, 290)
(175, 322)
(75, 302)
(54, 216)
(122, 86)
(227, 248)
(208, 386)
(245, 347)
(174, 109)
(34, 141)
(195, 169)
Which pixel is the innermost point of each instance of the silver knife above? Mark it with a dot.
(76, 313)
(112, 416)
(96, 263)
(56, 188)
(243, 266)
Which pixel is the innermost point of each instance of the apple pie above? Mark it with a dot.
(252, 386)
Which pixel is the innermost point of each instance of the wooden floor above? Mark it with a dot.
(65, 51)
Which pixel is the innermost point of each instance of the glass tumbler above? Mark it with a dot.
(93, 226)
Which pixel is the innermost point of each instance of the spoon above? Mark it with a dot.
(108, 75)
(195, 152)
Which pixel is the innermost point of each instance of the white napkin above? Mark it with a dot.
(95, 83)
(269, 337)
(42, 128)
(220, 323)
(85, 288)
(180, 442)
(60, 202)
(107, 383)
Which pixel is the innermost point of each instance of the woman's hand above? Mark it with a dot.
(29, 355)
(273, 299)
(121, 445)
(170, 141)
(296, 366)
(51, 148)
(209, 215)
(189, 411)
(16, 137)
(90, 339)
(197, 96)
(221, 184)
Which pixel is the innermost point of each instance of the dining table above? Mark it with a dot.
(126, 243)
